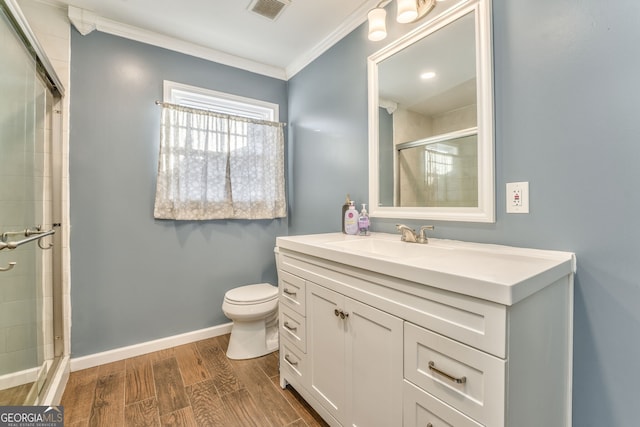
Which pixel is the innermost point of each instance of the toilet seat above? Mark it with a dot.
(251, 294)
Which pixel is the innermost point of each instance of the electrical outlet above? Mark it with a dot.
(518, 197)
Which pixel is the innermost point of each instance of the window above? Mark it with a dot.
(221, 156)
(220, 102)
(438, 160)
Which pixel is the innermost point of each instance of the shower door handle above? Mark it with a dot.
(9, 267)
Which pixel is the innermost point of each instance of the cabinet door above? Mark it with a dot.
(374, 366)
(325, 348)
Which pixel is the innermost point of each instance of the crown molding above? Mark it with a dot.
(351, 23)
(86, 22)
(53, 3)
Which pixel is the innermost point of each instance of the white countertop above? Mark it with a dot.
(497, 273)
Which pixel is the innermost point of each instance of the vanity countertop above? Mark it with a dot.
(502, 274)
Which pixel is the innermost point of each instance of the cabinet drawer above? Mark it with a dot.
(292, 291)
(293, 327)
(478, 323)
(421, 409)
(467, 379)
(292, 362)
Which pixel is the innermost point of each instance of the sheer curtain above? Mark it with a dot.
(217, 166)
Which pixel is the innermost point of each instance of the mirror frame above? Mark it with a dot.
(485, 212)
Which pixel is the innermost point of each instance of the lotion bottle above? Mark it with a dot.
(363, 221)
(351, 219)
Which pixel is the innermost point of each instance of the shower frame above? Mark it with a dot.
(58, 371)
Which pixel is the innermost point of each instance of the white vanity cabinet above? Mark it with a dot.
(355, 373)
(356, 368)
(456, 334)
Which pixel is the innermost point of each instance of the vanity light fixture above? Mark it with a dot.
(377, 24)
(428, 75)
(407, 11)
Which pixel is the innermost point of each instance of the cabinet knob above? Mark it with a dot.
(340, 313)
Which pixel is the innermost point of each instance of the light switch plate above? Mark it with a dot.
(517, 197)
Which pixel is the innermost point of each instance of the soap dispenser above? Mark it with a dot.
(351, 219)
(345, 207)
(363, 221)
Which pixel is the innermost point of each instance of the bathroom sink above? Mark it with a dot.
(386, 248)
(497, 273)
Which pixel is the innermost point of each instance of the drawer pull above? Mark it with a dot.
(289, 361)
(460, 380)
(429, 425)
(288, 292)
(289, 327)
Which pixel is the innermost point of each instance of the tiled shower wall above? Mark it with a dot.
(458, 189)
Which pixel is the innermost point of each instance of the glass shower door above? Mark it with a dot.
(26, 320)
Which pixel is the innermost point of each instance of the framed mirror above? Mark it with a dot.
(431, 144)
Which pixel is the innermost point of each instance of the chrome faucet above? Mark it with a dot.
(407, 234)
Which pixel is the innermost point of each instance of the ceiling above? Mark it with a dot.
(226, 30)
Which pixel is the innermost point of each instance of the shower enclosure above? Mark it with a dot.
(30, 308)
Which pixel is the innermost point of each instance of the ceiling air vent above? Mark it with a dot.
(268, 8)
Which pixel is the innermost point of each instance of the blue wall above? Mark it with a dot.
(135, 279)
(328, 133)
(566, 93)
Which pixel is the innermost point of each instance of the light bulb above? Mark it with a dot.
(407, 11)
(377, 24)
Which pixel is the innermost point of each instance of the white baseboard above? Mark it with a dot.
(122, 353)
(52, 395)
(15, 379)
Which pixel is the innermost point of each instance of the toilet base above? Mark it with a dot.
(252, 339)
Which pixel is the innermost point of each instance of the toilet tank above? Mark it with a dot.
(276, 252)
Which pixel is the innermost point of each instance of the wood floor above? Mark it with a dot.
(190, 385)
(15, 396)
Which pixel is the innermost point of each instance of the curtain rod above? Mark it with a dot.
(221, 115)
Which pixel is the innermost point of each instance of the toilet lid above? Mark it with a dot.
(252, 294)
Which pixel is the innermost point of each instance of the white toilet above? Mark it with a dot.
(254, 311)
